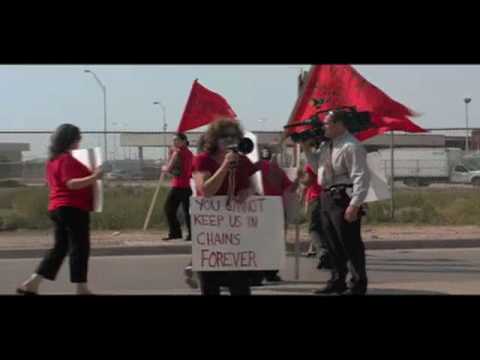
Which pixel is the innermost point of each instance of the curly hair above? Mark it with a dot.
(62, 139)
(216, 130)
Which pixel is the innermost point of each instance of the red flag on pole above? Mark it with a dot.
(335, 86)
(203, 107)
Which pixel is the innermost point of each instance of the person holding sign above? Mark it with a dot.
(180, 166)
(345, 178)
(275, 182)
(70, 202)
(211, 171)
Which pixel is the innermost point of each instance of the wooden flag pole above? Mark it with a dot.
(154, 200)
(392, 175)
(159, 184)
(302, 80)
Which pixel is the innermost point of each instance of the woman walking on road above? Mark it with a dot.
(70, 203)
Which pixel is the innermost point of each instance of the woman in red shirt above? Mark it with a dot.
(70, 201)
(180, 166)
(210, 172)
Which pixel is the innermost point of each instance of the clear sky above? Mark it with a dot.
(42, 97)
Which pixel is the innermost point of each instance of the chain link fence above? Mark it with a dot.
(133, 172)
(23, 157)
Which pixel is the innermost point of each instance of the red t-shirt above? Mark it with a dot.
(186, 160)
(203, 162)
(59, 171)
(274, 179)
(314, 190)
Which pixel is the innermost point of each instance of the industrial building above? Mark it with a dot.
(400, 140)
(12, 152)
(11, 158)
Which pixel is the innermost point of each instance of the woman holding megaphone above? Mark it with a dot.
(221, 170)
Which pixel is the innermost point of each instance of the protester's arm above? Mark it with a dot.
(209, 184)
(258, 165)
(168, 167)
(76, 184)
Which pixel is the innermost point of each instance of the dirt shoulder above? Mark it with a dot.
(24, 239)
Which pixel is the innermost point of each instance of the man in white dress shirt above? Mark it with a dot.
(344, 176)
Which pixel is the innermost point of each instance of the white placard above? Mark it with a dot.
(254, 157)
(291, 172)
(92, 158)
(239, 237)
(379, 189)
(293, 205)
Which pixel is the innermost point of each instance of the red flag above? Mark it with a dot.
(203, 107)
(341, 85)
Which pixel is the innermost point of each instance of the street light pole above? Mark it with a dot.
(467, 101)
(115, 142)
(164, 111)
(104, 90)
(124, 127)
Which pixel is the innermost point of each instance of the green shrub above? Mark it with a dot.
(462, 211)
(31, 204)
(126, 208)
(11, 184)
(6, 198)
(12, 221)
(378, 213)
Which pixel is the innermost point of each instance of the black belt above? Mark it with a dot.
(340, 187)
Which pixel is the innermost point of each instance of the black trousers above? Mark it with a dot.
(344, 240)
(71, 233)
(175, 198)
(270, 274)
(238, 282)
(316, 226)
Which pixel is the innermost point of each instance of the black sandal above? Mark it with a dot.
(21, 291)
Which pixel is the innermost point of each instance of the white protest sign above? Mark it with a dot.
(92, 158)
(254, 157)
(291, 201)
(238, 237)
(379, 189)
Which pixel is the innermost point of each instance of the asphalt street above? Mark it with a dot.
(391, 272)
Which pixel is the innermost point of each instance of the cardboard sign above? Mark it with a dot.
(237, 237)
(293, 206)
(254, 157)
(379, 189)
(92, 158)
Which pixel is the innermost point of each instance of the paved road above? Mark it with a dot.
(392, 272)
